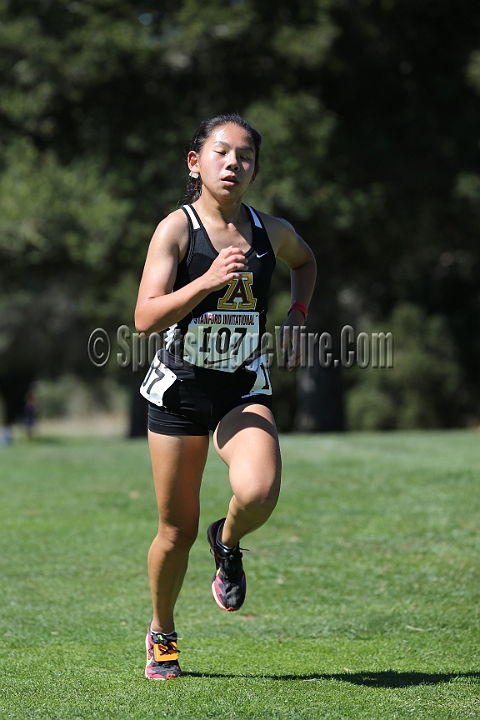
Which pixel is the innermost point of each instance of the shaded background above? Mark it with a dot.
(370, 116)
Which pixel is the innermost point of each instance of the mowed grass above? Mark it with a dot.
(362, 600)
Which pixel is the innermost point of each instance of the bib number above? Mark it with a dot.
(262, 384)
(221, 340)
(158, 379)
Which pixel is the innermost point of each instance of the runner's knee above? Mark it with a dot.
(175, 538)
(258, 498)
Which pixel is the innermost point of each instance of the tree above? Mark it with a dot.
(371, 150)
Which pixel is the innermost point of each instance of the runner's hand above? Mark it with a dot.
(290, 338)
(229, 264)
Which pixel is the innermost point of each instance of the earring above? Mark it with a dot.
(194, 174)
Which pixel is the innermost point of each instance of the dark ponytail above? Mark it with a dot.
(204, 130)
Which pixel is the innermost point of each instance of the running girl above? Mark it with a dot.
(206, 282)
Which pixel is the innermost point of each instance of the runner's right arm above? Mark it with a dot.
(157, 306)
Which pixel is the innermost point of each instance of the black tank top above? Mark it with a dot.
(223, 331)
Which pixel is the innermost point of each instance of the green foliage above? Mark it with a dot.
(307, 46)
(57, 52)
(69, 397)
(296, 136)
(473, 70)
(362, 587)
(52, 213)
(423, 389)
(60, 226)
(468, 187)
(369, 115)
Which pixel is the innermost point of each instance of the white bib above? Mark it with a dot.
(221, 339)
(158, 379)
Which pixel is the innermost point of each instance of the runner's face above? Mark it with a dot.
(227, 161)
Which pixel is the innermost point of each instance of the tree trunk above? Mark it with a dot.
(320, 400)
(320, 389)
(13, 388)
(138, 407)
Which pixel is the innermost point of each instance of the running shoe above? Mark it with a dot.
(229, 584)
(162, 656)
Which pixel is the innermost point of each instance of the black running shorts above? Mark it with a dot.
(168, 420)
(194, 405)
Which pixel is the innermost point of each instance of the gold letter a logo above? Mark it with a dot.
(239, 294)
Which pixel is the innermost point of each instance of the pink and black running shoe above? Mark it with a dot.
(162, 656)
(229, 584)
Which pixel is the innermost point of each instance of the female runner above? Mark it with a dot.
(206, 282)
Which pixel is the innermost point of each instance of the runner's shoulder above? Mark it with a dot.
(171, 233)
(278, 230)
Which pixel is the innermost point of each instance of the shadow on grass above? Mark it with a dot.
(383, 679)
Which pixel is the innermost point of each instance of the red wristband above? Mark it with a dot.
(297, 305)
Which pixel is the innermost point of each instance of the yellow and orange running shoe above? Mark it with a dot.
(162, 656)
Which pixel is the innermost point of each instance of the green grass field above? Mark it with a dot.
(362, 598)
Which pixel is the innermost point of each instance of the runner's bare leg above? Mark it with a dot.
(178, 463)
(246, 439)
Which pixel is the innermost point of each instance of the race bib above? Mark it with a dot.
(159, 378)
(221, 340)
(262, 384)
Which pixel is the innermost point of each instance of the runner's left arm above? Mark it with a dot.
(298, 256)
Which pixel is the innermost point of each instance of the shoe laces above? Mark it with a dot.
(165, 645)
(232, 565)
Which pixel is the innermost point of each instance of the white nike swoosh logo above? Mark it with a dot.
(260, 256)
